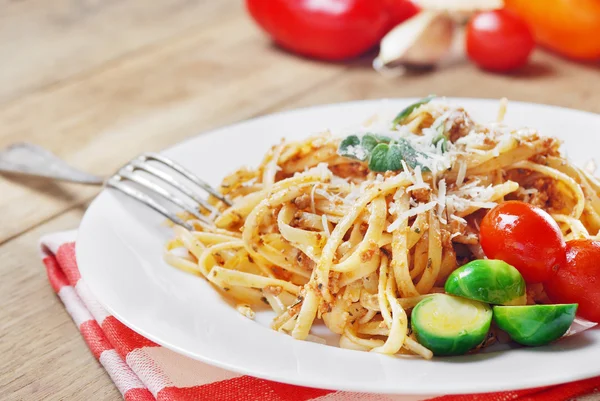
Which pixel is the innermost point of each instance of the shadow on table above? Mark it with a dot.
(363, 61)
(533, 70)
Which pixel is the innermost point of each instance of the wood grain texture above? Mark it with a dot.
(43, 355)
(99, 81)
(203, 78)
(48, 41)
(548, 80)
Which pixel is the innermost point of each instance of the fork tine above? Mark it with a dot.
(186, 173)
(116, 183)
(139, 164)
(160, 191)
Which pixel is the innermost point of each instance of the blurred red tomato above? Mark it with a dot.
(328, 29)
(400, 10)
(499, 40)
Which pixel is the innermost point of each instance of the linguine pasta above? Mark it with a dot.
(315, 235)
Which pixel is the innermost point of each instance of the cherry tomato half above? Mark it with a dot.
(523, 236)
(499, 41)
(578, 281)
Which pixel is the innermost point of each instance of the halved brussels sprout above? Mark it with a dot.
(535, 325)
(449, 325)
(486, 280)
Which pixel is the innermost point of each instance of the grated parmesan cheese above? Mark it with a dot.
(458, 204)
(312, 198)
(418, 186)
(456, 234)
(325, 225)
(421, 208)
(483, 139)
(418, 176)
(357, 151)
(321, 169)
(458, 218)
(325, 194)
(393, 209)
(483, 205)
(528, 191)
(405, 168)
(462, 172)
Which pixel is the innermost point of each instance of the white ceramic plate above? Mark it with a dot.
(119, 251)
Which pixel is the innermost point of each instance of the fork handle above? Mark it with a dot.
(33, 160)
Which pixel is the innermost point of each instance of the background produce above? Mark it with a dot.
(498, 36)
(569, 27)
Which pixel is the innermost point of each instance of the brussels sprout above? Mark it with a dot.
(449, 325)
(491, 281)
(535, 325)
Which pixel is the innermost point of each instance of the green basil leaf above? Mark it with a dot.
(406, 112)
(360, 149)
(380, 138)
(395, 157)
(443, 136)
(389, 157)
(379, 160)
(383, 153)
(412, 157)
(369, 141)
(351, 147)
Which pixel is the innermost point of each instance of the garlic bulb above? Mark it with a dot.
(459, 5)
(427, 38)
(422, 41)
(460, 10)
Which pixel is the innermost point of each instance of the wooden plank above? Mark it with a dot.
(43, 42)
(219, 73)
(43, 354)
(548, 80)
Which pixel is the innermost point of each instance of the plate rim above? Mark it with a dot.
(294, 380)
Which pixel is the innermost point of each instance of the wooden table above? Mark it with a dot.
(99, 81)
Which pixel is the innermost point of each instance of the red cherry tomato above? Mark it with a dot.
(578, 281)
(327, 29)
(499, 41)
(523, 236)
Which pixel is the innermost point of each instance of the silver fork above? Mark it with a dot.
(33, 160)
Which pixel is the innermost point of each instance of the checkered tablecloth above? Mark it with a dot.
(143, 370)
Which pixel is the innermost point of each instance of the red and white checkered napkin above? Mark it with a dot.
(143, 370)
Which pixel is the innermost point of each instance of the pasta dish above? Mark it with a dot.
(354, 232)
